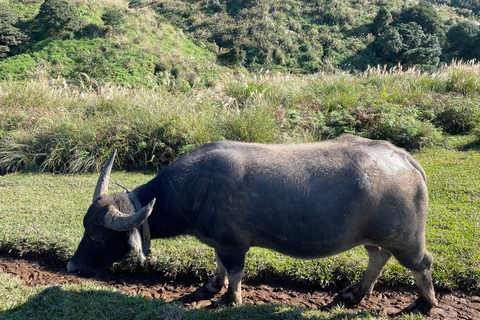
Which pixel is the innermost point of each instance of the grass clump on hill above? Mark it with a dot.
(51, 126)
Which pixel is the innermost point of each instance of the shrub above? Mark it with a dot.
(113, 19)
(381, 21)
(10, 36)
(425, 15)
(458, 118)
(408, 45)
(58, 18)
(93, 64)
(16, 67)
(462, 38)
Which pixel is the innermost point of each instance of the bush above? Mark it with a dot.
(458, 119)
(425, 15)
(463, 37)
(408, 45)
(58, 18)
(381, 21)
(93, 64)
(16, 67)
(113, 19)
(10, 36)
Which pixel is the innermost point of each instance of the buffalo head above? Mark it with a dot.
(111, 228)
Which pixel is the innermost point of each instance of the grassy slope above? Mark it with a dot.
(50, 126)
(291, 36)
(145, 53)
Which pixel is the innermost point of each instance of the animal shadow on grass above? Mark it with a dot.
(83, 303)
(475, 145)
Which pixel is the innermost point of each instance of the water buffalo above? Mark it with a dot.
(307, 201)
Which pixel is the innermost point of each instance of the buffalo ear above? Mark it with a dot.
(118, 221)
(102, 183)
(135, 242)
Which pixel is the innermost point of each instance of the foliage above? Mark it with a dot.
(16, 67)
(382, 19)
(255, 34)
(113, 18)
(136, 4)
(408, 45)
(10, 36)
(153, 127)
(464, 39)
(425, 15)
(290, 36)
(467, 5)
(58, 18)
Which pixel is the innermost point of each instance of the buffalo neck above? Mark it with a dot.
(166, 218)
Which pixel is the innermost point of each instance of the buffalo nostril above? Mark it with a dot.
(72, 268)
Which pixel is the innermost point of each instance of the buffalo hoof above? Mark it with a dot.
(213, 286)
(227, 300)
(419, 306)
(353, 294)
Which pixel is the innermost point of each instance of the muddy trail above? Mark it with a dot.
(386, 300)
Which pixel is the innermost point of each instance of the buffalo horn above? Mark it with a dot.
(118, 221)
(102, 184)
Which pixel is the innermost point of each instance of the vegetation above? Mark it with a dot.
(157, 79)
(146, 44)
(50, 126)
(10, 36)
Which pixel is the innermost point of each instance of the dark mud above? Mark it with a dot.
(386, 300)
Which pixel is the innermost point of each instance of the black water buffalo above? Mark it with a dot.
(307, 201)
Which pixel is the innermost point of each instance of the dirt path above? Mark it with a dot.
(385, 300)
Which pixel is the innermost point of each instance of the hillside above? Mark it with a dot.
(182, 44)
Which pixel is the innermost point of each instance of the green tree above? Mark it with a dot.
(10, 36)
(463, 37)
(58, 18)
(136, 4)
(408, 45)
(425, 15)
(113, 19)
(381, 21)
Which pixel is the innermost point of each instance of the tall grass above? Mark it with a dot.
(51, 126)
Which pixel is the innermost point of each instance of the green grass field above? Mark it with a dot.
(43, 213)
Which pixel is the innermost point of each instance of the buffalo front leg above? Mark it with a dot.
(377, 258)
(233, 263)
(220, 281)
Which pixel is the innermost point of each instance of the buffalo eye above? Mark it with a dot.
(98, 238)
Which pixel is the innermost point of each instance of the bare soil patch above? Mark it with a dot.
(386, 300)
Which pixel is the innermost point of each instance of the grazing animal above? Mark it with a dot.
(306, 201)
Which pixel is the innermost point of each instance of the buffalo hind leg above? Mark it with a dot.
(421, 271)
(220, 281)
(233, 264)
(377, 258)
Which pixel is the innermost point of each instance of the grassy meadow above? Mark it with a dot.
(54, 137)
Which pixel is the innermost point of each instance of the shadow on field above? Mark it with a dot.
(475, 145)
(84, 303)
